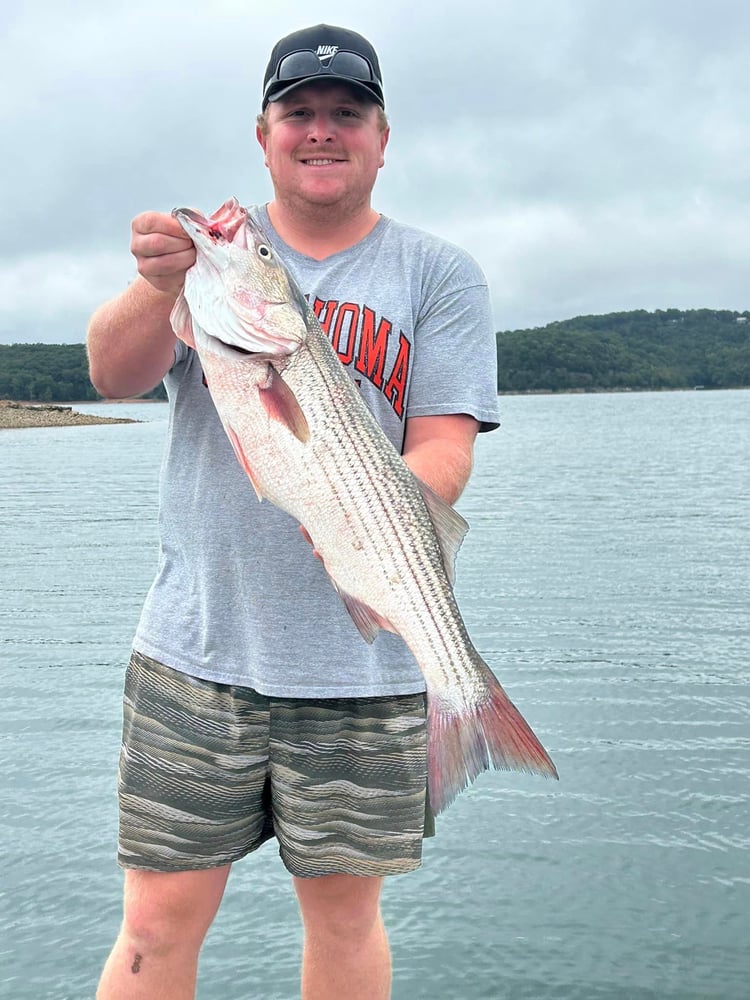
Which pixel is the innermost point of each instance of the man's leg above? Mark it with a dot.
(345, 954)
(166, 916)
(345, 815)
(193, 769)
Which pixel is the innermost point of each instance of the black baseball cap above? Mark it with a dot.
(326, 53)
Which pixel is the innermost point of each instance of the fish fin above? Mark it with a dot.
(242, 459)
(182, 321)
(368, 622)
(462, 743)
(450, 527)
(281, 404)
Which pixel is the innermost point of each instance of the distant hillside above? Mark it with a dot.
(666, 349)
(49, 373)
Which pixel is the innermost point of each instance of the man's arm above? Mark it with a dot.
(439, 450)
(129, 339)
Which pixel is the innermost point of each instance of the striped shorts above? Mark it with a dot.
(208, 772)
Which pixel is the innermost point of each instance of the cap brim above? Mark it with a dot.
(372, 93)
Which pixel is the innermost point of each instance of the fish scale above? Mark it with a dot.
(400, 560)
(310, 445)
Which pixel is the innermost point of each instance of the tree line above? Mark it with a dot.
(665, 349)
(49, 373)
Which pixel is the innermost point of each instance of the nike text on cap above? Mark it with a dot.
(326, 53)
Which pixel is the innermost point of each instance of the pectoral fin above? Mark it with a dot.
(182, 322)
(281, 404)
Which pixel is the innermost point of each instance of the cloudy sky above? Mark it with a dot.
(593, 155)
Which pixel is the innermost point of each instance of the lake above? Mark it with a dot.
(605, 579)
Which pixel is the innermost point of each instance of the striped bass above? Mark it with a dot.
(388, 542)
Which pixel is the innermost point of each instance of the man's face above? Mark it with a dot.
(323, 146)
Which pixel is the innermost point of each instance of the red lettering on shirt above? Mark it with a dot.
(344, 336)
(395, 388)
(325, 312)
(361, 339)
(372, 347)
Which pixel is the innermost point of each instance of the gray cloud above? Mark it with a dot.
(591, 156)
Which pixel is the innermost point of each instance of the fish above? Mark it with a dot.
(309, 444)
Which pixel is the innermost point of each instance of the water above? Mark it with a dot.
(605, 578)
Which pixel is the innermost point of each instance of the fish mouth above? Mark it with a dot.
(194, 218)
(221, 227)
(197, 225)
(197, 229)
(194, 215)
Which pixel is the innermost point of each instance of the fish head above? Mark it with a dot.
(238, 293)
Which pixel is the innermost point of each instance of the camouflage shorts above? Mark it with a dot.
(208, 772)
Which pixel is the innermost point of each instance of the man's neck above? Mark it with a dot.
(320, 233)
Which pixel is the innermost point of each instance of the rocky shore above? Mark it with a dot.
(14, 416)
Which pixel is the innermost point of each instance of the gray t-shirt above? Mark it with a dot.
(238, 596)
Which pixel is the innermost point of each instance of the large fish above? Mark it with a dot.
(310, 445)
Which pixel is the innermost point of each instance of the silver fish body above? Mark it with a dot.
(310, 445)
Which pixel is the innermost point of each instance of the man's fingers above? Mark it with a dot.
(162, 249)
(157, 222)
(159, 244)
(172, 263)
(155, 234)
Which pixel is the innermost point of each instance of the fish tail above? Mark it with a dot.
(464, 741)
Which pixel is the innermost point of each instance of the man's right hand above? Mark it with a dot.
(130, 340)
(162, 250)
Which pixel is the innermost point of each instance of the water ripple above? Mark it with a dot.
(603, 578)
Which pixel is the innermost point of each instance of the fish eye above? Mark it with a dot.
(264, 251)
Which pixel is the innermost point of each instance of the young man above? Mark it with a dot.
(252, 706)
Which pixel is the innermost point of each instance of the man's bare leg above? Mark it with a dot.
(346, 954)
(166, 916)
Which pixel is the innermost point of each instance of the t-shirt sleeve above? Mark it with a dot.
(455, 358)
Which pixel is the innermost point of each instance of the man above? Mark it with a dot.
(252, 706)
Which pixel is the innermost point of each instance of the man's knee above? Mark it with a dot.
(164, 910)
(340, 905)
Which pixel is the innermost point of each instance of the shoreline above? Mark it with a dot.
(19, 416)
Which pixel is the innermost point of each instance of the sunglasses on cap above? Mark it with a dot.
(305, 63)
